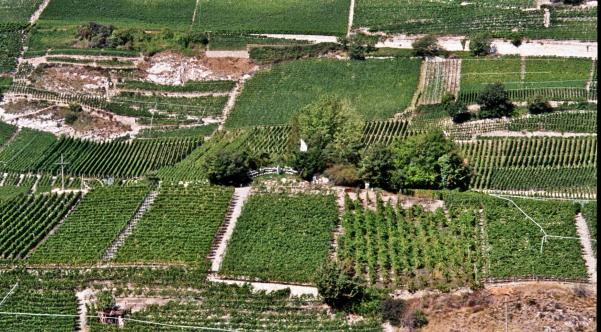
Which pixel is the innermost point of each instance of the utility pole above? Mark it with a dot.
(62, 165)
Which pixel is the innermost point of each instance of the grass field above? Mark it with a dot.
(175, 14)
(377, 89)
(538, 73)
(17, 10)
(274, 16)
(279, 237)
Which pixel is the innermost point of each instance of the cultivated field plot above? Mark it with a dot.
(377, 88)
(448, 17)
(6, 132)
(557, 78)
(281, 238)
(442, 77)
(26, 220)
(179, 226)
(158, 14)
(569, 23)
(25, 150)
(514, 241)
(125, 159)
(18, 11)
(35, 296)
(326, 17)
(232, 308)
(411, 248)
(89, 230)
(543, 163)
(11, 38)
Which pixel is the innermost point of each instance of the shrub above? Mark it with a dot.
(494, 102)
(417, 319)
(427, 46)
(457, 110)
(339, 287)
(343, 175)
(538, 105)
(71, 118)
(392, 311)
(229, 169)
(480, 44)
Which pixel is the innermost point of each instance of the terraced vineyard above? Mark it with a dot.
(17, 11)
(28, 147)
(121, 159)
(554, 78)
(280, 237)
(442, 76)
(377, 88)
(281, 16)
(182, 222)
(88, 231)
(589, 212)
(411, 248)
(566, 165)
(11, 35)
(26, 220)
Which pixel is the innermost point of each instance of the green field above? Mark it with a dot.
(376, 88)
(280, 237)
(11, 36)
(181, 222)
(175, 14)
(18, 11)
(275, 16)
(27, 147)
(89, 231)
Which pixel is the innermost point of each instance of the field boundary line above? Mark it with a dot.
(587, 250)
(38, 12)
(351, 14)
(237, 202)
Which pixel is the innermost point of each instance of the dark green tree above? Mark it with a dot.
(229, 168)
(480, 44)
(457, 110)
(376, 166)
(494, 102)
(427, 46)
(538, 105)
(338, 286)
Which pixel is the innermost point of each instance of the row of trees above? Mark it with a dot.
(333, 131)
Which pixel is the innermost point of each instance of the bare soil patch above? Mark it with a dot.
(540, 306)
(71, 79)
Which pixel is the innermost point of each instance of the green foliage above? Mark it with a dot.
(11, 38)
(538, 105)
(376, 166)
(338, 286)
(418, 319)
(343, 175)
(276, 54)
(480, 44)
(418, 163)
(589, 212)
(427, 46)
(281, 237)
(494, 102)
(457, 110)
(229, 168)
(70, 118)
(27, 148)
(189, 86)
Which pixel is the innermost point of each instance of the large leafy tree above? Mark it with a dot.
(376, 166)
(428, 161)
(494, 102)
(332, 131)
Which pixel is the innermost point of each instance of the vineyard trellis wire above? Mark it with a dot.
(545, 235)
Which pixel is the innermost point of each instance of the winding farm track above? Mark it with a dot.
(585, 241)
(231, 102)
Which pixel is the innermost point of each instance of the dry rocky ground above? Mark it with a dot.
(542, 306)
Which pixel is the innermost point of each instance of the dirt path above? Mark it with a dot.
(351, 14)
(83, 298)
(420, 86)
(585, 241)
(231, 102)
(295, 290)
(36, 15)
(228, 54)
(543, 47)
(240, 197)
(522, 68)
(547, 18)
